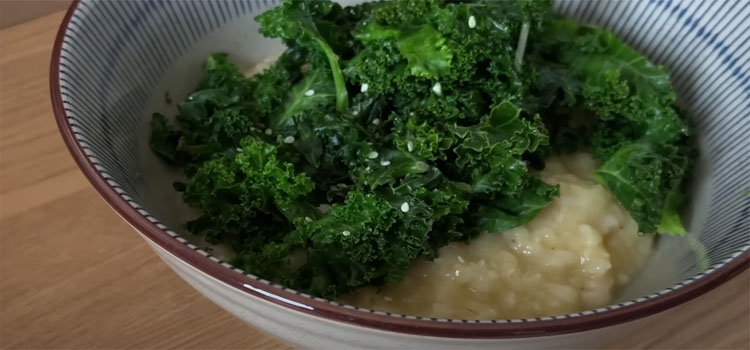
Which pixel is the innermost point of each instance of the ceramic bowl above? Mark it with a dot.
(116, 62)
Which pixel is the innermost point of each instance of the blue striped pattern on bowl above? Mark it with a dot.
(119, 58)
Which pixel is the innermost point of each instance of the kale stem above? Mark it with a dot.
(521, 48)
(342, 97)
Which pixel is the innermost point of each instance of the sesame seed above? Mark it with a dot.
(310, 92)
(410, 146)
(289, 139)
(437, 89)
(364, 87)
(376, 121)
(346, 233)
(405, 207)
(387, 298)
(460, 259)
(355, 112)
(269, 131)
(372, 155)
(238, 149)
(472, 22)
(411, 114)
(308, 219)
(385, 162)
(324, 208)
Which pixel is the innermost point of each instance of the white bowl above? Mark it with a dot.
(114, 61)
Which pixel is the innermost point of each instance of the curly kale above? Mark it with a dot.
(637, 133)
(297, 24)
(392, 128)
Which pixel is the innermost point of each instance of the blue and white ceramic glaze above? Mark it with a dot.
(118, 60)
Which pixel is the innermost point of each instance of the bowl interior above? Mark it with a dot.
(121, 61)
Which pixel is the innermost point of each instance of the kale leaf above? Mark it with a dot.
(294, 23)
(638, 133)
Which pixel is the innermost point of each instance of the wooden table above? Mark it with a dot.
(74, 275)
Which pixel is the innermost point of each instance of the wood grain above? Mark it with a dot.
(13, 12)
(73, 275)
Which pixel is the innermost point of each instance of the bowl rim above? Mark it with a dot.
(338, 312)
